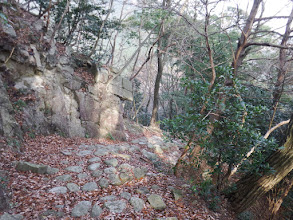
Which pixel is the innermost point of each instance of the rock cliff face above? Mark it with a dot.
(42, 90)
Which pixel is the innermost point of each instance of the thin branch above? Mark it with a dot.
(101, 29)
(61, 19)
(269, 18)
(252, 149)
(147, 59)
(266, 44)
(275, 127)
(9, 55)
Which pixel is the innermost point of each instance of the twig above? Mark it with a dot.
(9, 55)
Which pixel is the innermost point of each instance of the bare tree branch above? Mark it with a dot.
(266, 44)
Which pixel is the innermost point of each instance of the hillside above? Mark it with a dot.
(51, 100)
(170, 110)
(105, 179)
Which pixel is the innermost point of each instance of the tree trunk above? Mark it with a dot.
(154, 117)
(283, 68)
(240, 53)
(279, 194)
(253, 186)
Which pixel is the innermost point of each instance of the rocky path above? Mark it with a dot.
(128, 180)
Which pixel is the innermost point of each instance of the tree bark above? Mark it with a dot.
(240, 54)
(279, 194)
(253, 186)
(154, 117)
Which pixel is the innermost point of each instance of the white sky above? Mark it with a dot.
(272, 8)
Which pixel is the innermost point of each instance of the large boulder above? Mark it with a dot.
(34, 168)
(156, 202)
(8, 126)
(82, 208)
(115, 206)
(65, 103)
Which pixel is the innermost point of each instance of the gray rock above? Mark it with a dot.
(64, 162)
(87, 147)
(124, 156)
(81, 209)
(8, 125)
(84, 153)
(91, 186)
(94, 166)
(59, 206)
(110, 170)
(137, 203)
(83, 176)
(150, 146)
(125, 195)
(126, 176)
(177, 194)
(96, 211)
(66, 152)
(72, 187)
(111, 162)
(104, 183)
(7, 216)
(108, 198)
(142, 190)
(151, 156)
(156, 140)
(125, 168)
(58, 190)
(75, 169)
(123, 148)
(135, 141)
(64, 178)
(51, 170)
(115, 180)
(64, 60)
(139, 173)
(151, 174)
(102, 152)
(51, 212)
(9, 30)
(80, 162)
(156, 202)
(115, 206)
(37, 57)
(134, 148)
(99, 146)
(97, 173)
(34, 168)
(94, 159)
(155, 187)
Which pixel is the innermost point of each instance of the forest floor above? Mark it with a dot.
(102, 179)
